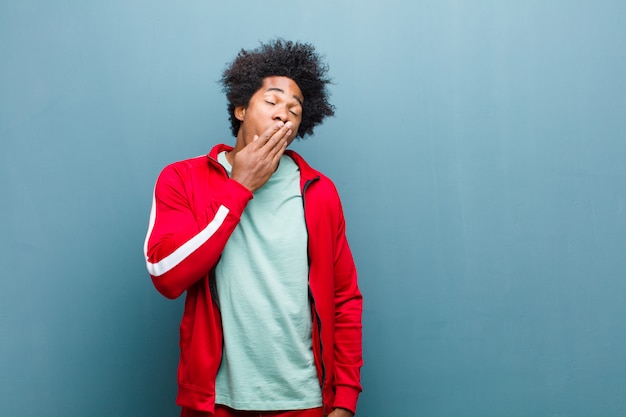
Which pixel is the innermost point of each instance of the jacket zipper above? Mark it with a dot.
(312, 299)
(212, 278)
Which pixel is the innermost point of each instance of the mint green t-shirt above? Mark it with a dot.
(262, 285)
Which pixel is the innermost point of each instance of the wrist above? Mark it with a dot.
(341, 412)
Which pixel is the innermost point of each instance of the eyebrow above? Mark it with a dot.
(283, 91)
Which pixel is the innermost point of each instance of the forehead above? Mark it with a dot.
(282, 85)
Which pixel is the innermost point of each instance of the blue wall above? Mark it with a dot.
(479, 148)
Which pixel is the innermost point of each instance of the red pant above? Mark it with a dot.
(221, 411)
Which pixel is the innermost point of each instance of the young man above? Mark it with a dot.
(256, 239)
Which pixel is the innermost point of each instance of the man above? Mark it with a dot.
(256, 239)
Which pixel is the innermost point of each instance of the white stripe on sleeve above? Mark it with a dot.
(180, 254)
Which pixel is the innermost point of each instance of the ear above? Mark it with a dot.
(240, 112)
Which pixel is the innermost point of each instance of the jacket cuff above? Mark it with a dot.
(346, 397)
(239, 196)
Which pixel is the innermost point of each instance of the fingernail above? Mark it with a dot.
(289, 124)
(279, 124)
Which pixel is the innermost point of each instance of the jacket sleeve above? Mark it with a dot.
(185, 242)
(348, 357)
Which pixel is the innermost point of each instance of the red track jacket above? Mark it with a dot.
(196, 207)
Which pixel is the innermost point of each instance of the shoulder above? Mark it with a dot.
(191, 173)
(188, 163)
(185, 167)
(195, 164)
(318, 187)
(307, 172)
(326, 186)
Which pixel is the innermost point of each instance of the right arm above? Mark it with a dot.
(182, 246)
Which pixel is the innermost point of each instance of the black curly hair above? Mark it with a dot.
(244, 76)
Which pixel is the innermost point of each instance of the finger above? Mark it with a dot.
(281, 134)
(278, 143)
(280, 150)
(270, 132)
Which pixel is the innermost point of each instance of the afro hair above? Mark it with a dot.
(299, 61)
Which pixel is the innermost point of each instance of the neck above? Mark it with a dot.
(239, 145)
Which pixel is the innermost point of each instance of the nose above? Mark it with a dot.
(281, 113)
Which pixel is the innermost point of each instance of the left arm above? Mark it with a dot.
(348, 329)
